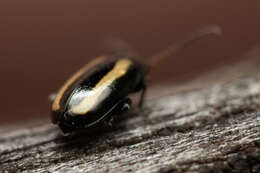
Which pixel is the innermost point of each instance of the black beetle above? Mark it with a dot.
(100, 89)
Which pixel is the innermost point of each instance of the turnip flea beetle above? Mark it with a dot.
(99, 90)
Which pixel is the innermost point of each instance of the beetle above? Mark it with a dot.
(100, 89)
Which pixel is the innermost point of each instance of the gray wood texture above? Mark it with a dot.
(212, 129)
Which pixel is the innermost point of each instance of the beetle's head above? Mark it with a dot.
(63, 120)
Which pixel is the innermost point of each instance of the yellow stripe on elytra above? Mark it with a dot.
(72, 79)
(102, 88)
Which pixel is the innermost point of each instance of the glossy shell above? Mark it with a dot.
(94, 91)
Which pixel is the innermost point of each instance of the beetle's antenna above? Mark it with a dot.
(197, 35)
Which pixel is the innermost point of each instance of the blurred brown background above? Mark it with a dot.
(43, 42)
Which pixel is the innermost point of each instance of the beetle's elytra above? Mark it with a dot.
(97, 90)
(100, 89)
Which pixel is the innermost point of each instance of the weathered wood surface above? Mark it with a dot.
(215, 129)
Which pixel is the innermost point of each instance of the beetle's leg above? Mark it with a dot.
(119, 110)
(52, 97)
(126, 105)
(142, 96)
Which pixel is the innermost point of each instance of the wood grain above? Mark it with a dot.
(211, 129)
